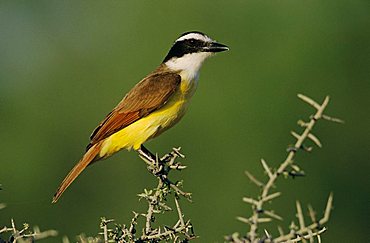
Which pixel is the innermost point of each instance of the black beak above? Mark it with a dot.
(216, 47)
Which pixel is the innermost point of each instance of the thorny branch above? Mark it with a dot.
(181, 231)
(288, 168)
(25, 235)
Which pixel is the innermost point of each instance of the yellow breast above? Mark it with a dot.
(152, 125)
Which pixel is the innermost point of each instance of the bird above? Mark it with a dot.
(152, 106)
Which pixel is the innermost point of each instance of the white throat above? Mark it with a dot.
(188, 65)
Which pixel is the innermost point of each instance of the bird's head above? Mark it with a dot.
(190, 50)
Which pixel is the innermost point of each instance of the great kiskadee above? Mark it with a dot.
(155, 104)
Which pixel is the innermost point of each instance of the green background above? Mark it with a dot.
(65, 64)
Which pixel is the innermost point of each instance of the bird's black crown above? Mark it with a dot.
(188, 42)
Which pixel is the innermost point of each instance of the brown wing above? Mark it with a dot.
(147, 96)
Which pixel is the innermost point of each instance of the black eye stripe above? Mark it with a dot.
(180, 48)
(194, 42)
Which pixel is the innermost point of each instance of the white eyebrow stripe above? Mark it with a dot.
(195, 36)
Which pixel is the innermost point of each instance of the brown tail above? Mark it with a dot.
(88, 157)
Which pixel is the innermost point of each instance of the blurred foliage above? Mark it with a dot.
(65, 64)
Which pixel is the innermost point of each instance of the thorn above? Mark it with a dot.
(272, 214)
(244, 220)
(329, 206)
(267, 234)
(312, 213)
(281, 231)
(300, 215)
(302, 123)
(292, 226)
(264, 220)
(295, 168)
(315, 140)
(271, 196)
(266, 167)
(296, 135)
(250, 201)
(309, 101)
(253, 179)
(332, 119)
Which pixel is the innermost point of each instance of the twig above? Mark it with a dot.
(181, 217)
(21, 236)
(157, 204)
(152, 203)
(304, 232)
(300, 238)
(289, 160)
